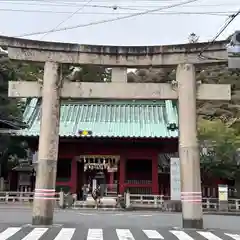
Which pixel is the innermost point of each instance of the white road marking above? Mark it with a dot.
(94, 234)
(124, 234)
(65, 233)
(209, 235)
(234, 236)
(153, 234)
(145, 215)
(35, 234)
(86, 214)
(181, 235)
(9, 232)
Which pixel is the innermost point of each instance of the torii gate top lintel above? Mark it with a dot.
(46, 45)
(106, 55)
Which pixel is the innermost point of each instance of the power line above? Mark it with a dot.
(65, 20)
(50, 3)
(81, 1)
(111, 20)
(74, 3)
(71, 4)
(117, 13)
(222, 29)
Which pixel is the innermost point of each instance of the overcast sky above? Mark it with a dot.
(20, 17)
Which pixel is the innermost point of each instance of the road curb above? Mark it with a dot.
(108, 208)
(222, 213)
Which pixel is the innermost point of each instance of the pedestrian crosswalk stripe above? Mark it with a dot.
(35, 234)
(95, 234)
(181, 235)
(209, 235)
(233, 236)
(9, 232)
(65, 233)
(153, 234)
(124, 234)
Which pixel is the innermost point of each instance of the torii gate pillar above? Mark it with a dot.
(191, 194)
(44, 199)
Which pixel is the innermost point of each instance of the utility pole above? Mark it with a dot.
(191, 194)
(44, 198)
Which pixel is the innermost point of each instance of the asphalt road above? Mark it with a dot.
(112, 225)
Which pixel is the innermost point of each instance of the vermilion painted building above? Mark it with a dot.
(126, 142)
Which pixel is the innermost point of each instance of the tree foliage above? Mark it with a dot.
(10, 114)
(219, 144)
(8, 107)
(87, 73)
(220, 151)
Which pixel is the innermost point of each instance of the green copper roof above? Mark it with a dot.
(134, 119)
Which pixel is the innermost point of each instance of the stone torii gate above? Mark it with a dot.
(184, 56)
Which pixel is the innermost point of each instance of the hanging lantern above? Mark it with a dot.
(85, 133)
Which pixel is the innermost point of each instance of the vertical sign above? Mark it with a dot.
(175, 179)
(223, 192)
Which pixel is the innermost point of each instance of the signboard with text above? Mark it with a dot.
(175, 179)
(223, 192)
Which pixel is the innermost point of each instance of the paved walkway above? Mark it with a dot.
(114, 220)
(80, 233)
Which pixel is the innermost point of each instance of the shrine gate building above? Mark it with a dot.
(126, 141)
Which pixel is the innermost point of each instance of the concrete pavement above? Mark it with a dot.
(107, 225)
(115, 219)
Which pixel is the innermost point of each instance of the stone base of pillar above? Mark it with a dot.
(42, 221)
(193, 223)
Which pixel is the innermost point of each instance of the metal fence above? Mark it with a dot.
(161, 202)
(207, 191)
(20, 197)
(164, 203)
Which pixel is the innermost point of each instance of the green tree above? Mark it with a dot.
(219, 144)
(10, 116)
(86, 73)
